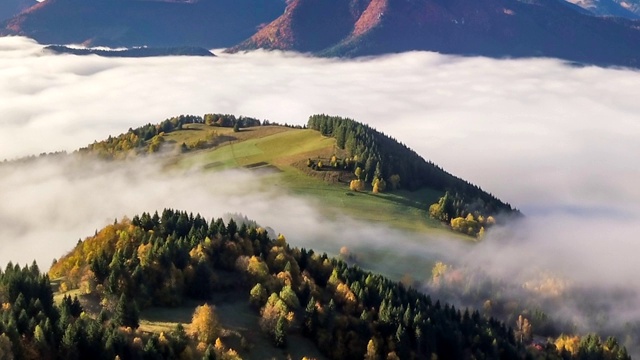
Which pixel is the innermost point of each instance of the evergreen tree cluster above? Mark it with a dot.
(380, 156)
(148, 138)
(164, 259)
(144, 138)
(470, 219)
(229, 120)
(32, 326)
(159, 260)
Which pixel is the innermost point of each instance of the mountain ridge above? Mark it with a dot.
(347, 28)
(494, 28)
(345, 165)
(204, 23)
(10, 8)
(622, 8)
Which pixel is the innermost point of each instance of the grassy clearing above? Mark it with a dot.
(238, 316)
(279, 148)
(157, 320)
(402, 210)
(58, 295)
(239, 321)
(255, 146)
(190, 133)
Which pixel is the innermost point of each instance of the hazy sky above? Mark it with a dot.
(558, 142)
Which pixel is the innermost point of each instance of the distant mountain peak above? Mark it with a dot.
(161, 23)
(621, 8)
(308, 25)
(496, 28)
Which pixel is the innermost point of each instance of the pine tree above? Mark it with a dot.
(180, 339)
(126, 313)
(209, 354)
(280, 333)
(232, 228)
(258, 296)
(310, 317)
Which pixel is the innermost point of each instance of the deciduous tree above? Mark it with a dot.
(205, 325)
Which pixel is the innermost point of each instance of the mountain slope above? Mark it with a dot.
(165, 260)
(623, 8)
(497, 28)
(10, 8)
(326, 160)
(205, 23)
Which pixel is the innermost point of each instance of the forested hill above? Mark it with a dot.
(136, 52)
(174, 259)
(382, 157)
(354, 156)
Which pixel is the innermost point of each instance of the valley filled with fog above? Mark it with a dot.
(558, 142)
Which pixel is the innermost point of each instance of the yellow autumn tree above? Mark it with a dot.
(205, 325)
(272, 311)
(346, 297)
(569, 343)
(439, 269)
(281, 240)
(379, 185)
(219, 346)
(257, 268)
(356, 185)
(372, 351)
(467, 225)
(523, 329)
(198, 253)
(155, 143)
(358, 173)
(144, 252)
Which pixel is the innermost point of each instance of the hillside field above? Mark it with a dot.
(282, 152)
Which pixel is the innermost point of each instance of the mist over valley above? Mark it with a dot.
(556, 141)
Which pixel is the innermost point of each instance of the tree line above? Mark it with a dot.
(149, 138)
(165, 259)
(380, 157)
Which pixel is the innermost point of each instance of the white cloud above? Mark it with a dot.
(556, 141)
(50, 203)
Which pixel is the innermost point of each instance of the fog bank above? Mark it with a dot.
(556, 141)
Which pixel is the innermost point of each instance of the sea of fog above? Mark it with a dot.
(558, 142)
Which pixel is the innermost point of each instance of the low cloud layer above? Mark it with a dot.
(558, 142)
(50, 203)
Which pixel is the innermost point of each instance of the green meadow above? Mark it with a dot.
(280, 154)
